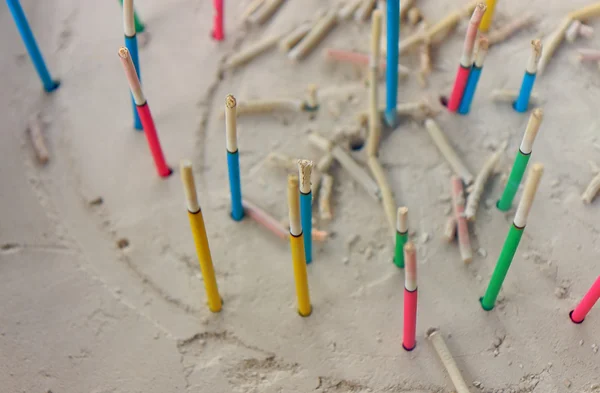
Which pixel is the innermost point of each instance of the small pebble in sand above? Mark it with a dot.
(478, 278)
(352, 240)
(595, 348)
(424, 237)
(595, 386)
(580, 342)
(368, 252)
(477, 384)
(567, 383)
(555, 183)
(122, 243)
(560, 292)
(346, 260)
(96, 201)
(520, 365)
(482, 252)
(496, 352)
(510, 362)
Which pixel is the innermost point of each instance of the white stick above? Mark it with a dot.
(482, 50)
(304, 171)
(508, 95)
(448, 151)
(531, 186)
(480, 181)
(189, 186)
(410, 268)
(231, 123)
(592, 190)
(402, 219)
(128, 18)
(405, 6)
(445, 356)
(252, 51)
(535, 120)
(37, 140)
(534, 58)
(573, 31)
(294, 206)
(315, 36)
(450, 229)
(325, 197)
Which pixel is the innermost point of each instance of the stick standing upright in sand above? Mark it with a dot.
(304, 172)
(233, 158)
(297, 246)
(486, 22)
(401, 236)
(200, 238)
(474, 74)
(131, 44)
(391, 76)
(522, 102)
(410, 298)
(374, 121)
(513, 238)
(462, 229)
(586, 304)
(521, 160)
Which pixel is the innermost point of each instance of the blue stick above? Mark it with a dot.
(132, 47)
(467, 99)
(306, 220)
(522, 102)
(391, 76)
(29, 40)
(235, 186)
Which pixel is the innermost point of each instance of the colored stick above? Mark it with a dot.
(486, 22)
(200, 238)
(522, 102)
(467, 99)
(391, 76)
(410, 298)
(131, 44)
(30, 44)
(401, 236)
(520, 164)
(139, 26)
(304, 171)
(586, 304)
(297, 246)
(143, 111)
(233, 158)
(462, 74)
(218, 31)
(513, 238)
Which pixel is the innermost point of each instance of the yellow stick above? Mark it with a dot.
(200, 238)
(297, 246)
(486, 22)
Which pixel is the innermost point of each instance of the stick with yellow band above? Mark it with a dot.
(200, 238)
(297, 246)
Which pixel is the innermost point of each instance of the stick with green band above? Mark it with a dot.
(139, 26)
(401, 236)
(512, 240)
(520, 164)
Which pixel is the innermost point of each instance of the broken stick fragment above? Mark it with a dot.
(436, 339)
(252, 51)
(554, 42)
(265, 12)
(292, 38)
(314, 36)
(441, 142)
(267, 106)
(482, 177)
(462, 229)
(37, 140)
(325, 197)
(450, 229)
(387, 197)
(506, 31)
(364, 11)
(592, 190)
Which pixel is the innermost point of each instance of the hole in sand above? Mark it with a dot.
(444, 100)
(122, 243)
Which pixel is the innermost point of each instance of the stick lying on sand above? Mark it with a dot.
(448, 151)
(387, 197)
(37, 140)
(585, 54)
(577, 29)
(436, 339)
(291, 39)
(266, 106)
(462, 229)
(265, 12)
(509, 95)
(254, 50)
(506, 31)
(361, 59)
(450, 229)
(405, 6)
(417, 110)
(374, 119)
(314, 36)
(554, 42)
(592, 190)
(364, 11)
(482, 177)
(325, 192)
(348, 9)
(250, 8)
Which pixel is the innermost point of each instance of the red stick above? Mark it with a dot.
(152, 138)
(218, 31)
(459, 88)
(586, 303)
(458, 200)
(410, 297)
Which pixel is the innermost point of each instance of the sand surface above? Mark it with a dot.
(79, 314)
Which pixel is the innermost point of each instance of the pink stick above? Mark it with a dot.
(586, 304)
(351, 57)
(410, 297)
(471, 35)
(218, 33)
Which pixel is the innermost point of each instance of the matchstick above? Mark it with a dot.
(425, 66)
(410, 298)
(465, 60)
(304, 172)
(143, 111)
(374, 120)
(250, 9)
(508, 95)
(348, 9)
(200, 238)
(348, 163)
(387, 197)
(522, 102)
(486, 22)
(440, 140)
(37, 140)
(520, 164)
(139, 25)
(436, 339)
(405, 6)
(265, 12)
(416, 109)
(587, 12)
(513, 238)
(479, 185)
(503, 33)
(361, 59)
(467, 99)
(401, 236)
(586, 304)
(266, 106)
(314, 36)
(129, 30)
(450, 229)
(251, 52)
(312, 102)
(292, 38)
(462, 229)
(364, 11)
(592, 190)
(554, 41)
(325, 192)
(233, 158)
(218, 32)
(31, 45)
(297, 246)
(391, 76)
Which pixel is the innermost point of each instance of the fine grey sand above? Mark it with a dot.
(108, 297)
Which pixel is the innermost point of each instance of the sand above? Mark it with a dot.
(79, 314)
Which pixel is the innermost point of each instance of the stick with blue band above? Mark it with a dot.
(522, 102)
(29, 40)
(304, 173)
(475, 73)
(391, 76)
(233, 158)
(132, 47)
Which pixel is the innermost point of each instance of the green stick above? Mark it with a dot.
(139, 26)
(514, 180)
(401, 238)
(504, 260)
